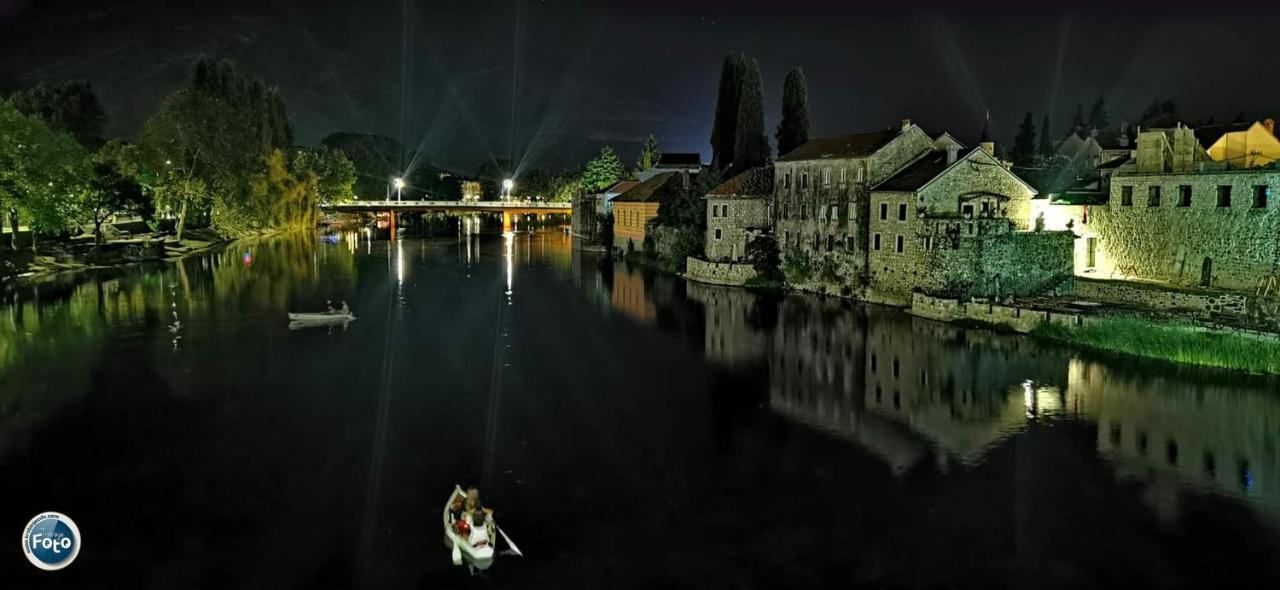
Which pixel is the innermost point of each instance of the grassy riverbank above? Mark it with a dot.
(1175, 341)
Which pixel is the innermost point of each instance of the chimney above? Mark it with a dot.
(905, 124)
(1123, 140)
(1093, 132)
(1270, 124)
(952, 151)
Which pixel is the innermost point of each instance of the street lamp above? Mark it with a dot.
(507, 185)
(399, 184)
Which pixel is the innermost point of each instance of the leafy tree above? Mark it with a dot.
(1046, 141)
(1077, 120)
(602, 171)
(278, 197)
(257, 103)
(71, 107)
(1024, 143)
(752, 147)
(42, 174)
(1098, 118)
(765, 257)
(334, 172)
(650, 153)
(793, 130)
(724, 131)
(113, 188)
(196, 149)
(1159, 114)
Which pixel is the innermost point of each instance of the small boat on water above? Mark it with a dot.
(474, 545)
(326, 317)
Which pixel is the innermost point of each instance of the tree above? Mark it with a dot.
(42, 174)
(1046, 141)
(650, 153)
(334, 172)
(1077, 120)
(71, 107)
(602, 171)
(1098, 118)
(260, 105)
(793, 130)
(492, 173)
(1024, 143)
(195, 150)
(1159, 114)
(113, 188)
(725, 128)
(765, 257)
(752, 147)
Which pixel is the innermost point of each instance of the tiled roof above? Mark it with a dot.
(755, 182)
(621, 186)
(679, 160)
(661, 187)
(916, 174)
(858, 145)
(1114, 162)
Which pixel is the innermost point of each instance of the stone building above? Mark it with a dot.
(821, 190)
(635, 208)
(960, 225)
(1175, 215)
(738, 211)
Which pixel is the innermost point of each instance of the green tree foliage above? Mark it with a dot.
(335, 175)
(197, 151)
(1024, 143)
(793, 130)
(1046, 139)
(602, 171)
(71, 107)
(1077, 120)
(752, 147)
(42, 174)
(766, 258)
(113, 188)
(1159, 114)
(725, 129)
(650, 153)
(279, 197)
(257, 103)
(376, 159)
(1098, 117)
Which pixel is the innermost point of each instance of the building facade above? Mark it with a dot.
(737, 211)
(635, 208)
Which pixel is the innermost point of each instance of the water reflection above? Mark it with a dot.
(906, 388)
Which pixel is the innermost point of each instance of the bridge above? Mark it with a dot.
(506, 208)
(516, 207)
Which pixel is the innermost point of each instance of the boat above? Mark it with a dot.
(323, 317)
(478, 549)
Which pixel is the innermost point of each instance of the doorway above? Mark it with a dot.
(1206, 272)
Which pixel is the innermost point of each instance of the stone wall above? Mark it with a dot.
(718, 273)
(1020, 319)
(737, 220)
(1172, 243)
(1154, 297)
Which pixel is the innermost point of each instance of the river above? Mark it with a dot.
(630, 430)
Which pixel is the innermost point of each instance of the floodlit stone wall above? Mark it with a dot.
(1163, 299)
(1233, 246)
(731, 224)
(718, 273)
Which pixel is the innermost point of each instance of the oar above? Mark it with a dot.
(514, 549)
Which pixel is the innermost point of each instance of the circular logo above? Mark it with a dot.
(51, 541)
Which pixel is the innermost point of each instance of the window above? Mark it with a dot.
(875, 242)
(1153, 196)
(873, 363)
(900, 245)
(1224, 196)
(1260, 195)
(831, 243)
(897, 368)
(849, 244)
(1126, 196)
(715, 211)
(786, 180)
(826, 177)
(844, 175)
(835, 213)
(884, 210)
(1184, 195)
(804, 180)
(967, 211)
(724, 212)
(928, 243)
(786, 238)
(902, 212)
(717, 233)
(861, 173)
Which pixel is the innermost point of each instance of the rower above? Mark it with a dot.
(345, 310)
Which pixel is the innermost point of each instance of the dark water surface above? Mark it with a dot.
(630, 430)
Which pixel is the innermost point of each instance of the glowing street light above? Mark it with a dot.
(507, 185)
(399, 184)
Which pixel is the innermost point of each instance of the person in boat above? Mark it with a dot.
(328, 306)
(345, 309)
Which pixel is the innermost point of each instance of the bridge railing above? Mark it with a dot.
(450, 205)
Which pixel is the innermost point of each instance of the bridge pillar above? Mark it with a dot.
(392, 214)
(506, 221)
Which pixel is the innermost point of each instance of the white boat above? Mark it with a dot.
(479, 546)
(323, 317)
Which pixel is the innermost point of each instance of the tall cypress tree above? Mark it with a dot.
(752, 147)
(1024, 143)
(1077, 120)
(793, 130)
(1046, 143)
(1098, 118)
(723, 134)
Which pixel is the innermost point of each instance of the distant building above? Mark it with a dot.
(635, 208)
(471, 190)
(590, 210)
(1241, 145)
(687, 163)
(738, 211)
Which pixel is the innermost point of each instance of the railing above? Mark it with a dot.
(558, 206)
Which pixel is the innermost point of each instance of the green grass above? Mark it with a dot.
(1176, 341)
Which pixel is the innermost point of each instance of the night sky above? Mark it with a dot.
(548, 82)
